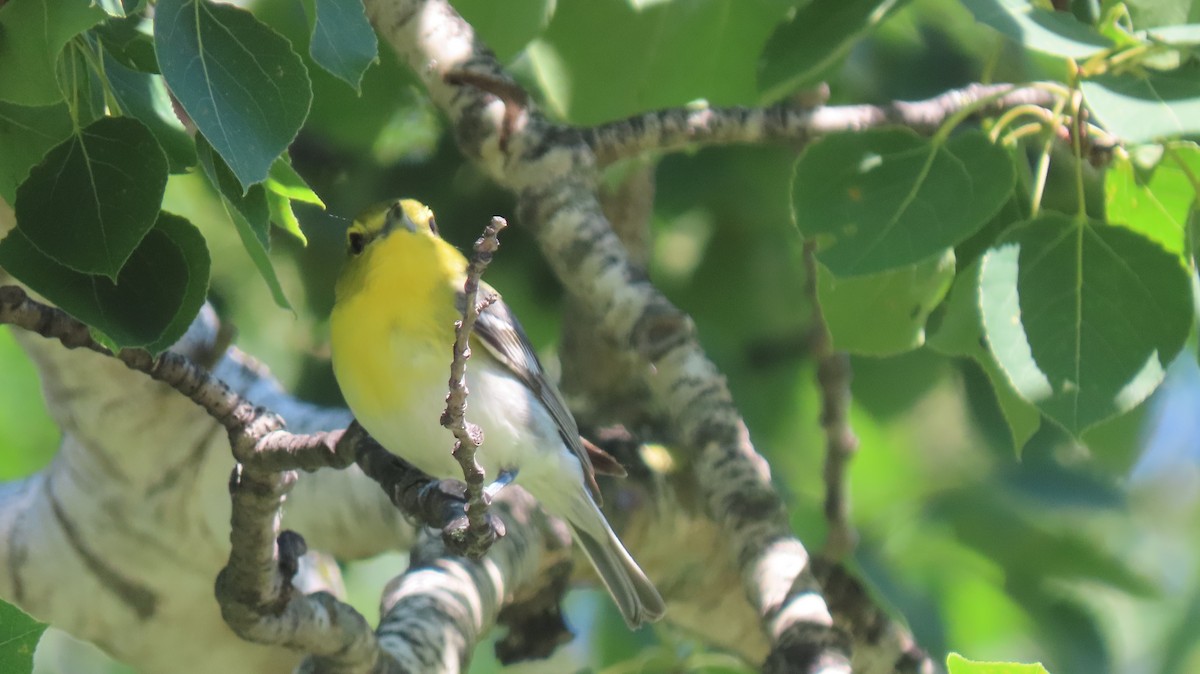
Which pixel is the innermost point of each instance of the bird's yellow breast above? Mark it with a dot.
(392, 325)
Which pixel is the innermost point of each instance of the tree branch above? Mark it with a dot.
(553, 169)
(679, 128)
(255, 589)
(436, 613)
(833, 377)
(553, 172)
(479, 532)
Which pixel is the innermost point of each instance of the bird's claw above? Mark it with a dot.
(461, 539)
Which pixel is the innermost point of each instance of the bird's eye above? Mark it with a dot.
(357, 242)
(433, 225)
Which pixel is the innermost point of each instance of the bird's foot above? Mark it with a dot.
(502, 480)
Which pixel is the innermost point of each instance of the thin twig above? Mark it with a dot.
(833, 375)
(673, 129)
(468, 437)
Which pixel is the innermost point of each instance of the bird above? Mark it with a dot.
(391, 331)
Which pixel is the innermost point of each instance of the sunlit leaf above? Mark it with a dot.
(884, 199)
(1043, 30)
(1158, 106)
(1083, 317)
(1155, 13)
(118, 8)
(284, 181)
(884, 313)
(284, 217)
(1156, 205)
(284, 186)
(959, 332)
(957, 664)
(1187, 35)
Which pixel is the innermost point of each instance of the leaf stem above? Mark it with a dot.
(1043, 165)
(966, 111)
(1015, 112)
(1077, 130)
(1022, 131)
(95, 60)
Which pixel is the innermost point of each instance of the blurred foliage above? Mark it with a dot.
(28, 436)
(1070, 555)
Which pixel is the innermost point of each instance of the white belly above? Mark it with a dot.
(517, 432)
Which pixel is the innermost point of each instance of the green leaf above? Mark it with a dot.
(258, 254)
(188, 239)
(343, 41)
(164, 279)
(670, 54)
(250, 213)
(144, 97)
(19, 636)
(1154, 13)
(958, 331)
(884, 314)
(93, 197)
(118, 8)
(27, 432)
(32, 34)
(1159, 106)
(284, 181)
(284, 186)
(82, 84)
(239, 81)
(957, 664)
(506, 27)
(1157, 205)
(113, 8)
(1181, 36)
(1083, 317)
(886, 198)
(802, 50)
(1117, 445)
(26, 134)
(284, 217)
(123, 41)
(1043, 30)
(1031, 547)
(251, 204)
(1179, 648)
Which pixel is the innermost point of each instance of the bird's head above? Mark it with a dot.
(395, 247)
(407, 216)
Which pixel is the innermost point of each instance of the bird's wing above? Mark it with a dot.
(500, 331)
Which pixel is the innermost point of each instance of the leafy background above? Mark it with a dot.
(998, 528)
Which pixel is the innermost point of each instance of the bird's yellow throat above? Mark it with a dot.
(395, 310)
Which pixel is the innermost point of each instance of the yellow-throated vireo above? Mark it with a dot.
(392, 327)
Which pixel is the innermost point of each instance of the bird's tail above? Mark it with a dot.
(633, 592)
